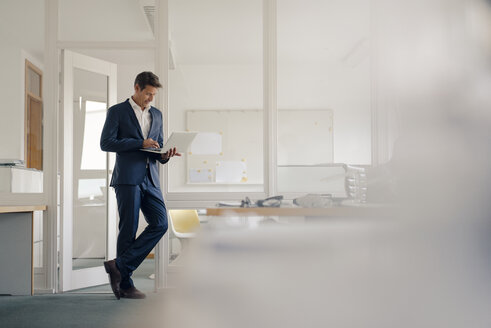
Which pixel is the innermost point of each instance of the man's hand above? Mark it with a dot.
(170, 153)
(150, 143)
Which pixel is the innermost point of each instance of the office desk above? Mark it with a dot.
(338, 211)
(16, 249)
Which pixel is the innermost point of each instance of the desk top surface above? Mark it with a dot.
(297, 211)
(22, 208)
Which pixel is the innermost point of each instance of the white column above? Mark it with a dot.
(162, 102)
(270, 95)
(50, 159)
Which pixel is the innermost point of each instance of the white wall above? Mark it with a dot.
(12, 85)
(12, 109)
(21, 37)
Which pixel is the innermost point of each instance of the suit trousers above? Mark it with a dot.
(131, 251)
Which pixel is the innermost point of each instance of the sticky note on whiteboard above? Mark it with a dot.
(231, 172)
(207, 143)
(200, 175)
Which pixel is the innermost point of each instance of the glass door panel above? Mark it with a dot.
(324, 93)
(88, 235)
(90, 178)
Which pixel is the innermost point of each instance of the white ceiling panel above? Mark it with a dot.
(103, 20)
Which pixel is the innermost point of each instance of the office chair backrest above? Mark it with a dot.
(184, 221)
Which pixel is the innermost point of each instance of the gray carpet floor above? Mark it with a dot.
(80, 310)
(89, 307)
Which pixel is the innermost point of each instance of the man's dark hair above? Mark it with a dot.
(147, 78)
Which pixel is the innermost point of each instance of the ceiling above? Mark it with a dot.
(230, 31)
(107, 20)
(203, 32)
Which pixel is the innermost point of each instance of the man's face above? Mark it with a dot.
(145, 96)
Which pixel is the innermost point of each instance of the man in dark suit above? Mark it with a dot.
(130, 126)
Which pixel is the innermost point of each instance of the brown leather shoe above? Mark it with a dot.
(132, 292)
(114, 277)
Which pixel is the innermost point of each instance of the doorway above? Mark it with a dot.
(88, 205)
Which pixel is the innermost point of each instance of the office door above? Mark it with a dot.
(88, 205)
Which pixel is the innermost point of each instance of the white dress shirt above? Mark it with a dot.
(143, 117)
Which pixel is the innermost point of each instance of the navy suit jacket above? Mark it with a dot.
(122, 134)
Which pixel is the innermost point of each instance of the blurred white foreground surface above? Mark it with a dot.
(427, 266)
(339, 274)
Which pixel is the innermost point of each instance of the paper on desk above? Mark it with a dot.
(229, 204)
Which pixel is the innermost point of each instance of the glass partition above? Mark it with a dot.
(324, 93)
(216, 89)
